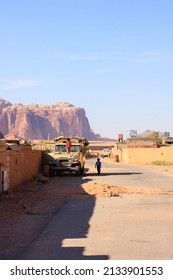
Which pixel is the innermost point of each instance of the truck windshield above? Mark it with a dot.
(74, 148)
(62, 148)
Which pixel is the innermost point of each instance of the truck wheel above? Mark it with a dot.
(82, 171)
(51, 173)
(78, 170)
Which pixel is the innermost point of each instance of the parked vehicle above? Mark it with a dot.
(106, 153)
(62, 161)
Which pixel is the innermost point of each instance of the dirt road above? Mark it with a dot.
(125, 213)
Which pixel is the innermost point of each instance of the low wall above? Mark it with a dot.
(146, 155)
(24, 165)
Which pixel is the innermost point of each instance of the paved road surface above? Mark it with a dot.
(131, 227)
(132, 175)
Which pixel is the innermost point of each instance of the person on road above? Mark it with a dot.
(68, 145)
(98, 166)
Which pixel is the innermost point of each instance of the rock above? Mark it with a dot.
(42, 179)
(43, 121)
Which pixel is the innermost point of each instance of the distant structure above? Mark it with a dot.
(120, 137)
(167, 141)
(133, 133)
(166, 134)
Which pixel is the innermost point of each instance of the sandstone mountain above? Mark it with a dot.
(43, 121)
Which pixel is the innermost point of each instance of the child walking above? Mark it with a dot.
(98, 166)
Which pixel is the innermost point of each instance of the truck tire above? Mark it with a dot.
(78, 170)
(51, 172)
(82, 171)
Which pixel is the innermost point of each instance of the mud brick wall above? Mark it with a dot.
(147, 155)
(143, 155)
(24, 165)
(4, 171)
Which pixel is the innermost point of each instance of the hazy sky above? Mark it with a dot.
(114, 58)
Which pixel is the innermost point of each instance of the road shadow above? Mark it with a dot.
(113, 173)
(64, 235)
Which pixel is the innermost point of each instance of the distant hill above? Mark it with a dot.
(149, 132)
(146, 133)
(43, 121)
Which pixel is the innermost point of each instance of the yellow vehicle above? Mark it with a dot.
(62, 161)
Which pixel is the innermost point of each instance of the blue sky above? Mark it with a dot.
(114, 58)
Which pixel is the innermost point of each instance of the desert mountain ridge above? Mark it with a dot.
(35, 121)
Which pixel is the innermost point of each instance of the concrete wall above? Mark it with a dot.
(145, 155)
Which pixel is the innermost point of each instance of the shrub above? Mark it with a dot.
(160, 162)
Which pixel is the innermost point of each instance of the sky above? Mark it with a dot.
(114, 58)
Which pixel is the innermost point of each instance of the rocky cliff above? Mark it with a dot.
(43, 121)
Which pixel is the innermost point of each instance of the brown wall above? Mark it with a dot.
(17, 167)
(2, 158)
(24, 165)
(4, 171)
(145, 155)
